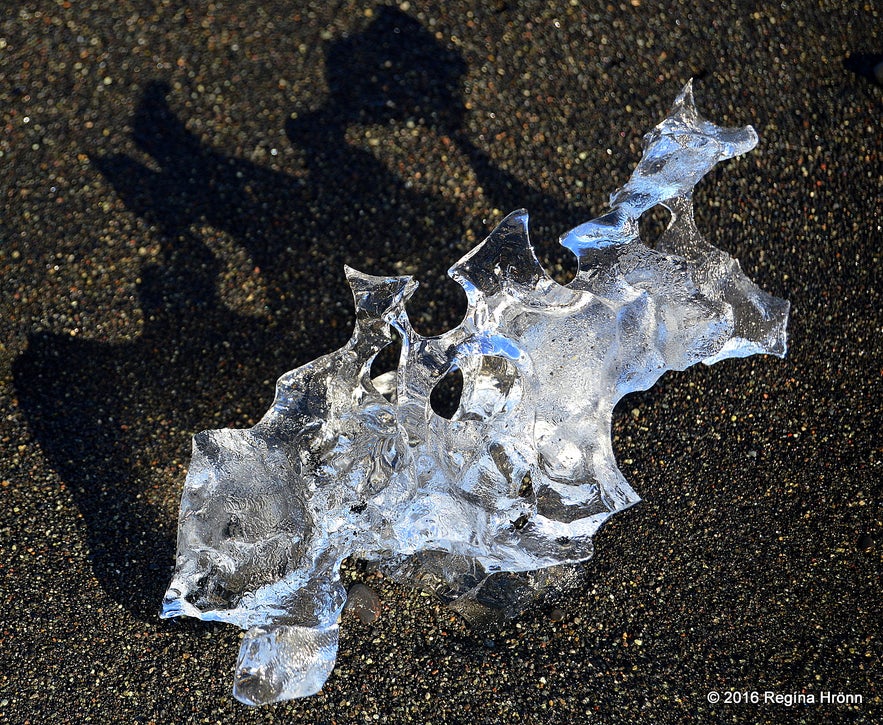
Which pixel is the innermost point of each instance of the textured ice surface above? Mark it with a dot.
(489, 506)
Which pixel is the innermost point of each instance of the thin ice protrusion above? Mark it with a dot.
(503, 261)
(678, 152)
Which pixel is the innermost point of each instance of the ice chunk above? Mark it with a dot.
(282, 662)
(491, 505)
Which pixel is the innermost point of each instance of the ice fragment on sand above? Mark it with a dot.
(487, 507)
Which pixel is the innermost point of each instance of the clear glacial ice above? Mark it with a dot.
(488, 507)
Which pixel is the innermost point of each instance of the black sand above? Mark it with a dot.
(181, 189)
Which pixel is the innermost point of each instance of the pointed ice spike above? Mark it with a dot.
(677, 154)
(377, 296)
(505, 258)
(685, 115)
(684, 106)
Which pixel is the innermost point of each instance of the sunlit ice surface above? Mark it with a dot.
(490, 506)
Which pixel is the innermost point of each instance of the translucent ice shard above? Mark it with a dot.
(490, 505)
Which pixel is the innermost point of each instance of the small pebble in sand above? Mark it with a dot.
(363, 602)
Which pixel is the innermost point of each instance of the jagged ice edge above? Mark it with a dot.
(383, 478)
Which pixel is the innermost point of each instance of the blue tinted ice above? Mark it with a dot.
(487, 507)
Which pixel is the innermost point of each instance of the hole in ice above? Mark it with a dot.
(653, 223)
(525, 489)
(437, 305)
(445, 396)
(385, 365)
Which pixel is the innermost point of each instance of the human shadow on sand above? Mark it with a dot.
(110, 417)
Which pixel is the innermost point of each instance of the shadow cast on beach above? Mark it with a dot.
(111, 416)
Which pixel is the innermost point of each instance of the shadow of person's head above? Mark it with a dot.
(395, 70)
